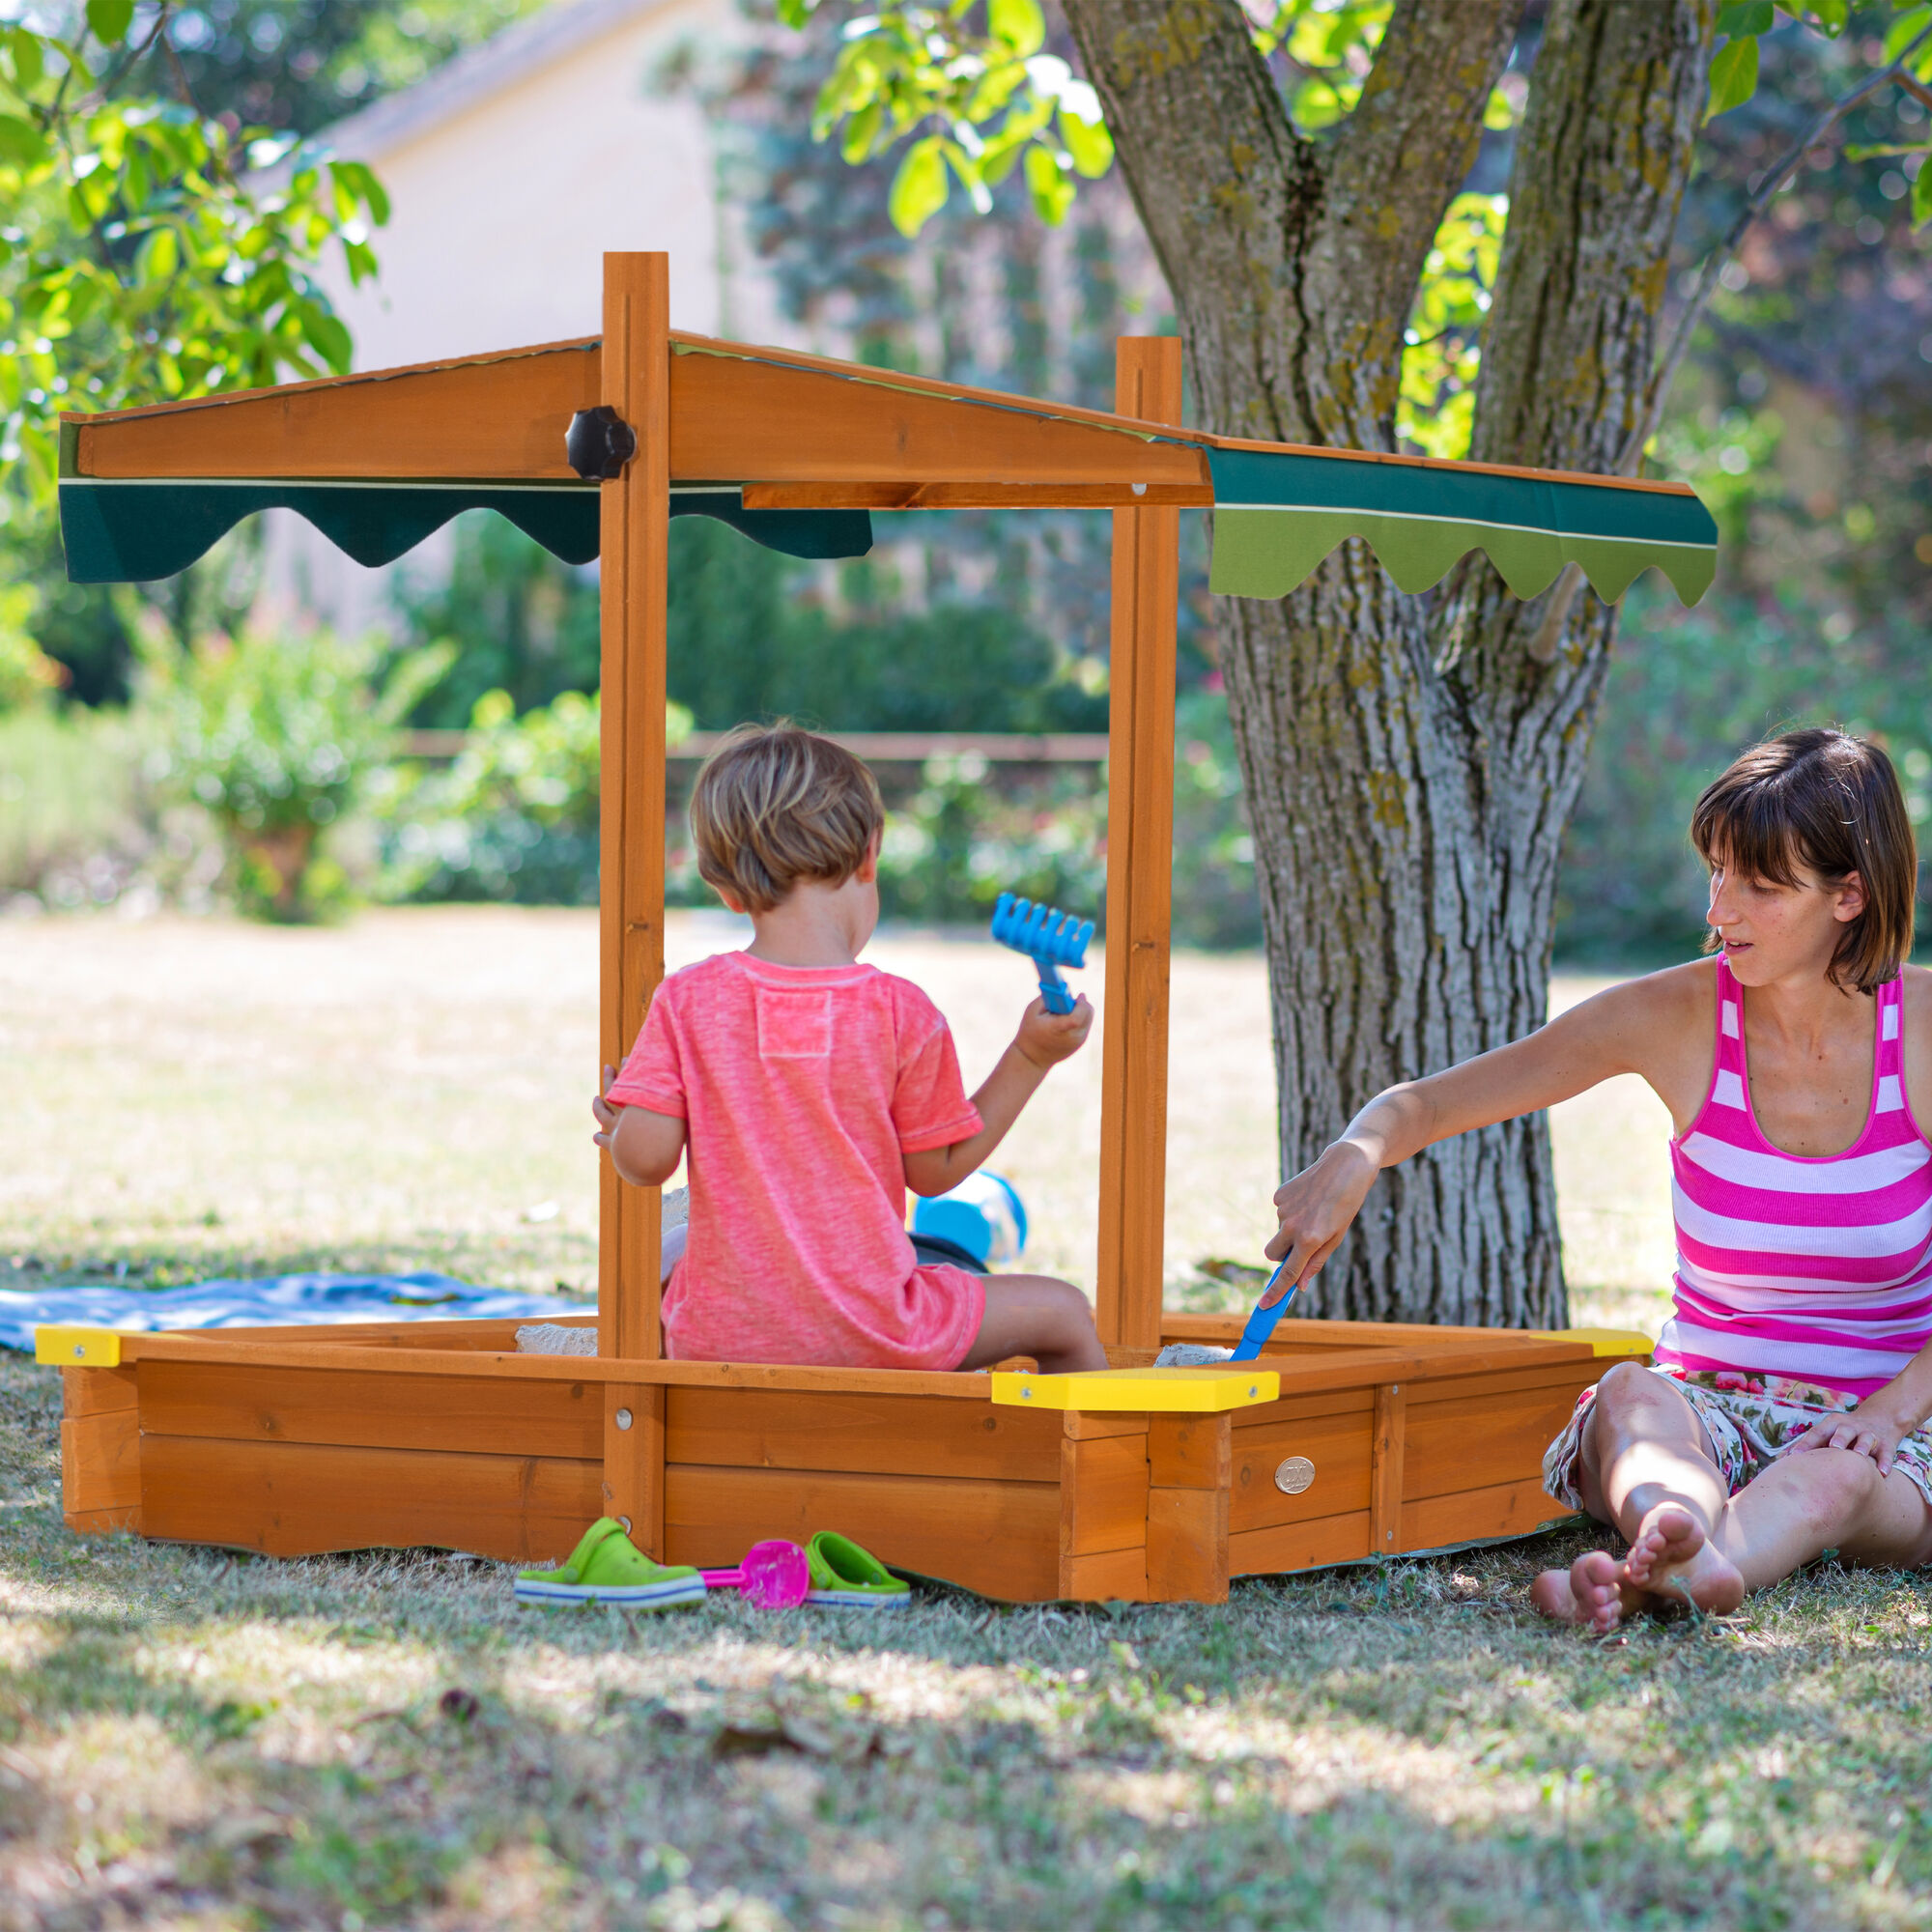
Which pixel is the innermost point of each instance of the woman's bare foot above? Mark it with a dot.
(1587, 1593)
(1673, 1561)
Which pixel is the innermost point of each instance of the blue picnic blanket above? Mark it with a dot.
(279, 1299)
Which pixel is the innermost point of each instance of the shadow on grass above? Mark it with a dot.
(1340, 1750)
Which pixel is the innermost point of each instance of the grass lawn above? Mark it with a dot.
(189, 1738)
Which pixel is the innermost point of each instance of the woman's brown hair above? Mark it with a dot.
(1831, 803)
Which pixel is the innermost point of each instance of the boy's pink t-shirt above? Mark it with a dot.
(802, 1090)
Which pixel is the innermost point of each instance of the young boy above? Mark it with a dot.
(810, 1091)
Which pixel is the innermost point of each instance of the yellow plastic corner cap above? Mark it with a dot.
(67, 1348)
(1187, 1391)
(1603, 1341)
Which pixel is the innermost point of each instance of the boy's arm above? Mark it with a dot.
(1044, 1039)
(644, 1146)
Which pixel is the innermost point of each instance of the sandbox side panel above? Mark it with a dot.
(960, 1490)
(861, 1434)
(302, 1499)
(346, 1409)
(100, 1451)
(1000, 1539)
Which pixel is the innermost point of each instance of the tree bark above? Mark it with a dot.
(1409, 765)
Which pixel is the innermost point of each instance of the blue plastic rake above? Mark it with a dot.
(1049, 937)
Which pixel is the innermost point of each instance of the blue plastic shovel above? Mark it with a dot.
(1049, 937)
(1261, 1322)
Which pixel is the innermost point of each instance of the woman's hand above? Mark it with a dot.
(1869, 1429)
(1315, 1209)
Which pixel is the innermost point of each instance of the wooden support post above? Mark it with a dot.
(1190, 1465)
(633, 544)
(1103, 1506)
(1385, 1473)
(1139, 879)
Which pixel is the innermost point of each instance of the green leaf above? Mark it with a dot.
(1733, 76)
(110, 20)
(1903, 31)
(1090, 144)
(1020, 23)
(1052, 191)
(1747, 16)
(1921, 197)
(23, 145)
(159, 256)
(29, 62)
(359, 180)
(919, 187)
(794, 12)
(1831, 17)
(328, 335)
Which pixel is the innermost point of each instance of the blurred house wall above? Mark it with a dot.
(510, 171)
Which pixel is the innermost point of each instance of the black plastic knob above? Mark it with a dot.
(599, 442)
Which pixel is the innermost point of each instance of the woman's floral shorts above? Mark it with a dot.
(1751, 1420)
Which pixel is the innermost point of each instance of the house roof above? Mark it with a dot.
(498, 64)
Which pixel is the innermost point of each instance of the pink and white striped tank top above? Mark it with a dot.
(1817, 1270)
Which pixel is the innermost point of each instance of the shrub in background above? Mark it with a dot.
(1687, 691)
(514, 818)
(959, 841)
(276, 736)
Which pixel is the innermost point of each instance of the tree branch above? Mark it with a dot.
(1658, 391)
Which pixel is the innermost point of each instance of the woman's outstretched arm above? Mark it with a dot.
(1649, 1025)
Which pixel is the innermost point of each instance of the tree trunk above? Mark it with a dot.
(1410, 764)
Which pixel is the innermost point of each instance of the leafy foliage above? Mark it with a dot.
(137, 261)
(992, 94)
(514, 818)
(276, 736)
(1906, 46)
(1445, 327)
(303, 64)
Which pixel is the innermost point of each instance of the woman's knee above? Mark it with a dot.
(1624, 1386)
(1836, 1486)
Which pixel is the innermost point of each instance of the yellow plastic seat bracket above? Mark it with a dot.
(1601, 1340)
(1167, 1391)
(57, 1347)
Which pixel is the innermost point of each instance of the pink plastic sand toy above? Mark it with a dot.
(773, 1575)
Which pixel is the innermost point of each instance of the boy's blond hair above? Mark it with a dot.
(773, 804)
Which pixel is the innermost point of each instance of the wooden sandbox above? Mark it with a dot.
(1384, 1440)
(1379, 1439)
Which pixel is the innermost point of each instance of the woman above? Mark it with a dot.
(1784, 1415)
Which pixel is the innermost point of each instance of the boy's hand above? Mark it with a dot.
(608, 1116)
(1047, 1039)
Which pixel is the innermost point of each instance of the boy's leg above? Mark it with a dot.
(1034, 1315)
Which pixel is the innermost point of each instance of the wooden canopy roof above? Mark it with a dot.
(757, 432)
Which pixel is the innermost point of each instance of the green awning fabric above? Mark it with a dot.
(1277, 516)
(134, 532)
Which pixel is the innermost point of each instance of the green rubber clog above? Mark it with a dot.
(846, 1578)
(607, 1567)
